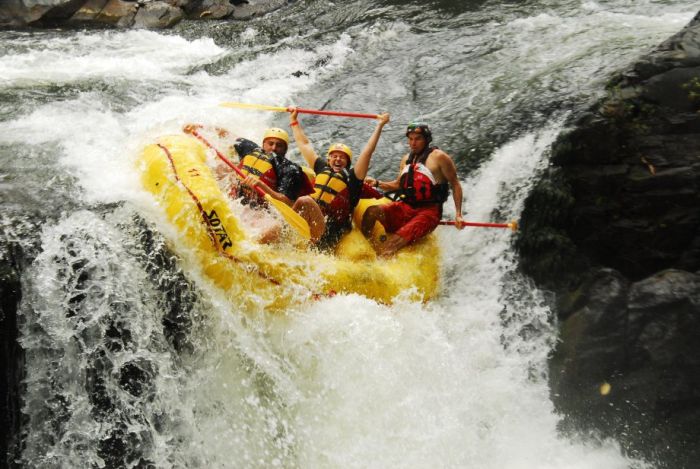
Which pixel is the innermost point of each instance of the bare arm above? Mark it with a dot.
(303, 143)
(449, 171)
(362, 164)
(389, 186)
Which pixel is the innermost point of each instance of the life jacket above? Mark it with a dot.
(417, 184)
(332, 194)
(258, 163)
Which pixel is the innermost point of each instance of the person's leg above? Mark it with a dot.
(372, 215)
(420, 222)
(311, 212)
(392, 217)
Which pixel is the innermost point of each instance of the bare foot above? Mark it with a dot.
(389, 247)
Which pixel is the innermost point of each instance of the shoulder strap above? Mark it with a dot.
(422, 157)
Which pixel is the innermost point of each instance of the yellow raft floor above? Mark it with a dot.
(278, 276)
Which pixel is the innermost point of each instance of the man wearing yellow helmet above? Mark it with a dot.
(268, 169)
(423, 182)
(338, 185)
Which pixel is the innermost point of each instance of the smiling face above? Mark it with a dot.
(338, 161)
(417, 142)
(275, 145)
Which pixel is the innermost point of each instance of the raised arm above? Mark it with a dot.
(362, 164)
(303, 143)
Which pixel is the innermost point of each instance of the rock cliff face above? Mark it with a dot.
(150, 14)
(613, 229)
(11, 357)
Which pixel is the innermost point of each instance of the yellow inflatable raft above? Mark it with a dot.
(272, 277)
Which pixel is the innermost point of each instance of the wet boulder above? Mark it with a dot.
(628, 364)
(15, 13)
(613, 229)
(157, 15)
(622, 191)
(151, 14)
(107, 12)
(209, 9)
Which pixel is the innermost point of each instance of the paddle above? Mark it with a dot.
(512, 225)
(292, 217)
(263, 107)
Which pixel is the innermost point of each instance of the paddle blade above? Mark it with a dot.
(260, 107)
(293, 218)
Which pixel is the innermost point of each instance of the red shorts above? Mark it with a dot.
(411, 223)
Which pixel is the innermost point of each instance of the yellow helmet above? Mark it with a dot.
(276, 133)
(342, 148)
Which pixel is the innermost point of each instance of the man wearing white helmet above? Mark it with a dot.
(338, 185)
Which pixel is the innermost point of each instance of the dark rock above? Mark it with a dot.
(629, 174)
(11, 355)
(662, 290)
(15, 13)
(250, 9)
(153, 14)
(613, 230)
(19, 244)
(157, 15)
(643, 345)
(107, 12)
(209, 9)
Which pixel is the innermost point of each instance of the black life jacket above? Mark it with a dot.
(416, 187)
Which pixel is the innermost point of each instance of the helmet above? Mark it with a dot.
(420, 128)
(342, 148)
(275, 132)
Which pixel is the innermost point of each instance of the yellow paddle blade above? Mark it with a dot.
(261, 107)
(292, 217)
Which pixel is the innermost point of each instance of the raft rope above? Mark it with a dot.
(193, 131)
(208, 225)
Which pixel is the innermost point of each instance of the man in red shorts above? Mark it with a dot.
(425, 176)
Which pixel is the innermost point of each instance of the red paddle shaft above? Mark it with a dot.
(223, 158)
(335, 113)
(512, 225)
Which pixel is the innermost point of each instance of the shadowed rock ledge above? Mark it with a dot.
(149, 14)
(613, 229)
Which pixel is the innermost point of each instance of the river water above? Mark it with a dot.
(134, 359)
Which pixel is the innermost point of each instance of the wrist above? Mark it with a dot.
(293, 123)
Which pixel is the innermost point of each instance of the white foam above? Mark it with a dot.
(130, 55)
(344, 382)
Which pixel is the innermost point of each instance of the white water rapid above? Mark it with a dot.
(460, 382)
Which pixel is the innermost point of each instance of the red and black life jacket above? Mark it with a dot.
(416, 187)
(332, 193)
